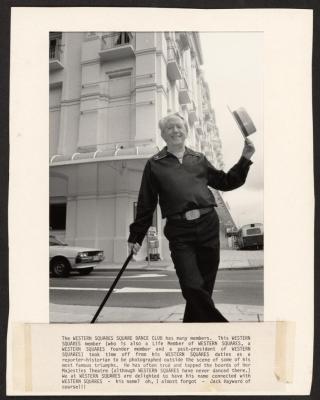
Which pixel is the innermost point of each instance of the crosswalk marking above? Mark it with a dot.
(144, 276)
(95, 276)
(147, 290)
(123, 290)
(75, 289)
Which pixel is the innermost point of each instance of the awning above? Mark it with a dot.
(131, 153)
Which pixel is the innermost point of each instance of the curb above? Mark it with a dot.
(241, 268)
(106, 269)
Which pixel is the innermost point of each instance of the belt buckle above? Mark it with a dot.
(192, 214)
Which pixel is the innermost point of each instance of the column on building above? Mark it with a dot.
(92, 97)
(146, 75)
(57, 74)
(69, 114)
(64, 85)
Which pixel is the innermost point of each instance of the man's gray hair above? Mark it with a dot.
(163, 121)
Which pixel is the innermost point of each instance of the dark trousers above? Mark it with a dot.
(195, 252)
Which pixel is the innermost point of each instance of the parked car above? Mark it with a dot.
(65, 258)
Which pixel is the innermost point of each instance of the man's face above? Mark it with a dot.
(175, 132)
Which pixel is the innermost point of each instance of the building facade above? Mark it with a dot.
(108, 91)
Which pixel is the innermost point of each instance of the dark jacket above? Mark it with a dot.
(181, 187)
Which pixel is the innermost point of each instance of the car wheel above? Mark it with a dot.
(85, 271)
(60, 268)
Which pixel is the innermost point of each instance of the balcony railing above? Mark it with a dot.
(184, 91)
(173, 66)
(207, 113)
(199, 128)
(192, 113)
(55, 53)
(184, 40)
(117, 45)
(55, 57)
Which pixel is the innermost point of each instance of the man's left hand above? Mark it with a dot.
(248, 149)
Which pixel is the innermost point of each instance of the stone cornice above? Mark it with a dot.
(92, 61)
(70, 102)
(146, 51)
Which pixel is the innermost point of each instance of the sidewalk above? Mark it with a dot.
(229, 259)
(84, 314)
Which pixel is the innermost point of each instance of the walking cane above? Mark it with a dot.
(112, 287)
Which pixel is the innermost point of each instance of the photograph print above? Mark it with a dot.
(156, 177)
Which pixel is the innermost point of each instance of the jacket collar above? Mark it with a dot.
(164, 153)
(192, 152)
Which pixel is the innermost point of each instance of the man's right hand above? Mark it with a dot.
(248, 149)
(134, 247)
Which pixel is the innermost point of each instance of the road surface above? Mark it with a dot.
(152, 289)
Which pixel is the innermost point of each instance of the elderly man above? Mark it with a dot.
(179, 178)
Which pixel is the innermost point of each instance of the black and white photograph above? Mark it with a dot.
(156, 155)
(160, 151)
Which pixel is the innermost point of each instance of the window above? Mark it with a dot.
(58, 213)
(123, 38)
(52, 50)
(55, 45)
(53, 241)
(253, 231)
(120, 111)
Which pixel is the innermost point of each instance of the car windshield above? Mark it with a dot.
(53, 241)
(253, 231)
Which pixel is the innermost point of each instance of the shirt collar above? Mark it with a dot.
(192, 152)
(164, 153)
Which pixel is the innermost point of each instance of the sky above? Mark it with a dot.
(233, 68)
